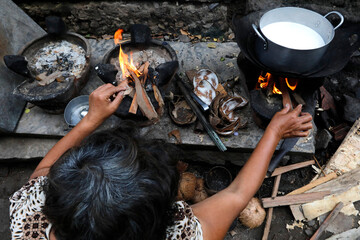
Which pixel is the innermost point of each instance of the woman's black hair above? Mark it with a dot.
(114, 186)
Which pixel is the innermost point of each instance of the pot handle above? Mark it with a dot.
(261, 36)
(340, 16)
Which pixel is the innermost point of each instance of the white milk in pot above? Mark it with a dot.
(293, 35)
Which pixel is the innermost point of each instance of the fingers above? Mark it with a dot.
(297, 110)
(119, 97)
(304, 118)
(286, 109)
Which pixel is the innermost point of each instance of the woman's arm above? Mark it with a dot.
(100, 108)
(218, 212)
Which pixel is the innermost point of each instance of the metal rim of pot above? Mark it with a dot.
(284, 59)
(327, 38)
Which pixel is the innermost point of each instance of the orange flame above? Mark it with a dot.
(264, 80)
(293, 84)
(276, 90)
(268, 81)
(124, 58)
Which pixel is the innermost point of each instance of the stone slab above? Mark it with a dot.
(14, 148)
(16, 30)
(199, 55)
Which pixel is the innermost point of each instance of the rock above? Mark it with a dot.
(311, 223)
(309, 232)
(184, 38)
(322, 139)
(351, 109)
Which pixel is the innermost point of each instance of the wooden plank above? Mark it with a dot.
(345, 188)
(347, 155)
(314, 184)
(294, 199)
(270, 211)
(296, 212)
(327, 221)
(281, 170)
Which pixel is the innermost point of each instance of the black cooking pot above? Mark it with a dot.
(292, 39)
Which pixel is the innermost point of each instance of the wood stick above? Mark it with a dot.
(145, 73)
(143, 100)
(327, 221)
(270, 211)
(294, 199)
(314, 184)
(134, 105)
(319, 165)
(281, 170)
(285, 93)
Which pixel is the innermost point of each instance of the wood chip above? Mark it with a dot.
(175, 133)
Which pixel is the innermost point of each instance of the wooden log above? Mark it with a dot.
(281, 170)
(314, 184)
(270, 211)
(294, 199)
(327, 221)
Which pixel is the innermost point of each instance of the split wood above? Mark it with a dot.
(281, 170)
(314, 184)
(327, 221)
(294, 199)
(285, 94)
(270, 211)
(143, 100)
(144, 69)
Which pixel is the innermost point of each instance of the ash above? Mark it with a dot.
(60, 56)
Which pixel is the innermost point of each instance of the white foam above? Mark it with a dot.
(293, 35)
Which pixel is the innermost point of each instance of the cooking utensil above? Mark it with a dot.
(76, 109)
(289, 54)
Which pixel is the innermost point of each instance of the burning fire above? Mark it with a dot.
(124, 58)
(268, 81)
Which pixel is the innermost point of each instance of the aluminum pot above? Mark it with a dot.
(292, 39)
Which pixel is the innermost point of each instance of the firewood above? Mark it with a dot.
(285, 93)
(145, 72)
(134, 105)
(313, 184)
(281, 170)
(294, 199)
(143, 100)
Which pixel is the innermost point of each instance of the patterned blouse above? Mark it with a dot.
(28, 222)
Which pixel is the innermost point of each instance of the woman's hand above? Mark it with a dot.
(100, 104)
(291, 123)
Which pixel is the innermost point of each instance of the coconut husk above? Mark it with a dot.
(223, 117)
(187, 186)
(253, 215)
(180, 112)
(200, 192)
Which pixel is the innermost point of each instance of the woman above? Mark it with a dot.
(112, 186)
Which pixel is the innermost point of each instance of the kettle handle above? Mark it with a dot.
(261, 36)
(340, 16)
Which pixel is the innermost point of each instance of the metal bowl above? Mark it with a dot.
(76, 109)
